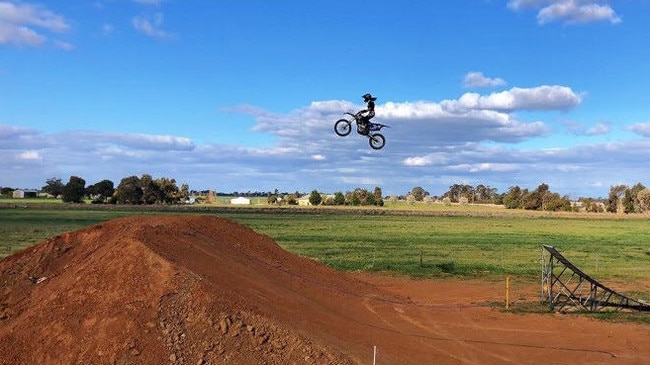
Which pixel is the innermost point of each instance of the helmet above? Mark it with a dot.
(367, 97)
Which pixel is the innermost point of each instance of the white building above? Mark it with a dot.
(240, 201)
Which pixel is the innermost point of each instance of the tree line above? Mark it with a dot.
(622, 198)
(148, 190)
(131, 190)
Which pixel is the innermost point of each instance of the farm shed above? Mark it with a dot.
(240, 201)
(20, 194)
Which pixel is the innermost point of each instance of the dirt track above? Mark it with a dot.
(205, 290)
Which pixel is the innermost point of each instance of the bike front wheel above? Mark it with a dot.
(377, 141)
(343, 127)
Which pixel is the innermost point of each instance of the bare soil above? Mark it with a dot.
(206, 290)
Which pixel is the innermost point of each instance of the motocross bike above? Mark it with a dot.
(343, 127)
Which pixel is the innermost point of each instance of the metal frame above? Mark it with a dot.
(565, 287)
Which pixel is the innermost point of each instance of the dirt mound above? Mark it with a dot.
(167, 289)
(205, 290)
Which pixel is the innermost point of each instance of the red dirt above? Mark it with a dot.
(205, 290)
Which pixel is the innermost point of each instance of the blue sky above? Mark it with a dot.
(243, 95)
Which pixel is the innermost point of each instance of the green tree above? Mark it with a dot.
(100, 192)
(370, 200)
(615, 199)
(53, 186)
(643, 197)
(151, 192)
(378, 197)
(458, 191)
(512, 199)
(554, 202)
(185, 191)
(485, 194)
(290, 199)
(339, 198)
(315, 198)
(418, 193)
(169, 191)
(631, 201)
(129, 191)
(353, 198)
(74, 191)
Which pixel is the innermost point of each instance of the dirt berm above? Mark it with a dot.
(180, 289)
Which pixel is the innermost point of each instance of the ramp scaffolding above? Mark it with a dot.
(565, 287)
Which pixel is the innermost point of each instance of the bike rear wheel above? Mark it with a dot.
(343, 127)
(377, 141)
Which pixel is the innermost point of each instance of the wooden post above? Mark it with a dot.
(507, 292)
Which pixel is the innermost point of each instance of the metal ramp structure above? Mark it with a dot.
(566, 288)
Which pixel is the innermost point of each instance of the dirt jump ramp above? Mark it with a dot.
(565, 288)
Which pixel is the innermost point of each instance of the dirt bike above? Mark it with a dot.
(343, 127)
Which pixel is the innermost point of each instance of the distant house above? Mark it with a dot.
(240, 201)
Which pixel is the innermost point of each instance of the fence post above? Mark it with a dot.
(507, 292)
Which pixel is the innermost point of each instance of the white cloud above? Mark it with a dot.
(8, 132)
(151, 25)
(416, 161)
(568, 11)
(544, 97)
(28, 24)
(477, 79)
(484, 167)
(30, 156)
(598, 129)
(641, 128)
(439, 158)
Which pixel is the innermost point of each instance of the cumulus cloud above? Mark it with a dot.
(476, 79)
(483, 167)
(568, 11)
(641, 128)
(29, 156)
(598, 129)
(141, 142)
(8, 132)
(28, 24)
(151, 25)
(471, 118)
(474, 117)
(545, 97)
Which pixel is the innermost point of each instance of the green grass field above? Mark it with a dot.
(422, 246)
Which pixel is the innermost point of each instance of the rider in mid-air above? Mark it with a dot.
(370, 110)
